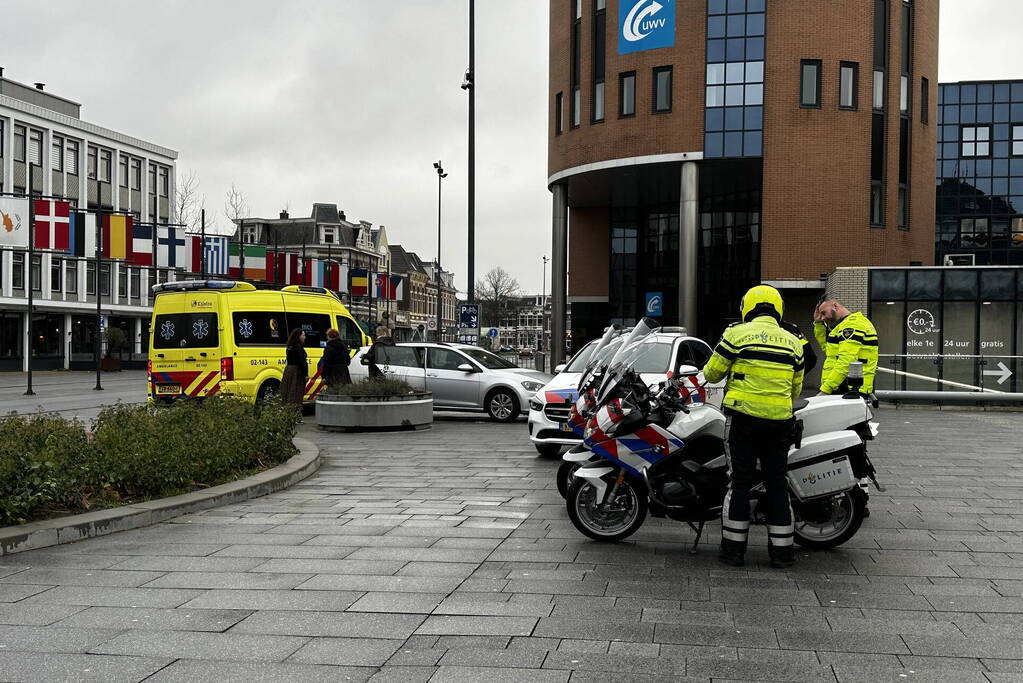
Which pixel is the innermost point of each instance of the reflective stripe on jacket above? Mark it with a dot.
(764, 367)
(853, 339)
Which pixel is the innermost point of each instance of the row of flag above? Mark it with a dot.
(57, 227)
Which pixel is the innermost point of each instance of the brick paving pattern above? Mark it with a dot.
(446, 555)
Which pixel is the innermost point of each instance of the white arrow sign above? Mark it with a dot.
(631, 29)
(1002, 372)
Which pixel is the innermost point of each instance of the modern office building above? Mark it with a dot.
(47, 149)
(980, 172)
(698, 148)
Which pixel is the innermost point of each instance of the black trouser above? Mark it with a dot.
(748, 439)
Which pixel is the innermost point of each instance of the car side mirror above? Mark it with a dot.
(687, 370)
(559, 368)
(465, 367)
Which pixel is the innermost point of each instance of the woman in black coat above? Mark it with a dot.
(336, 358)
(296, 372)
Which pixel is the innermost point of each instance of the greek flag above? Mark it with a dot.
(217, 257)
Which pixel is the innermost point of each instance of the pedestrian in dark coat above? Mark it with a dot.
(336, 358)
(296, 372)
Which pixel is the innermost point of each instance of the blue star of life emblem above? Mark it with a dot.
(167, 329)
(245, 328)
(200, 328)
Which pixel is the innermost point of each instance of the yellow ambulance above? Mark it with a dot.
(220, 337)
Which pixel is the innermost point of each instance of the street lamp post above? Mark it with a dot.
(543, 303)
(441, 175)
(469, 85)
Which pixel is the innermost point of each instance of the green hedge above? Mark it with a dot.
(50, 465)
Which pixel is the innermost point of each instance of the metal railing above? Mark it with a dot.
(953, 377)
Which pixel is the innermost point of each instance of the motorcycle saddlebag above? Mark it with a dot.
(822, 465)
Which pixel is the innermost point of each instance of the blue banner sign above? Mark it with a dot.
(654, 304)
(645, 25)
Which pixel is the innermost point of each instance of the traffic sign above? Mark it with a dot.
(492, 333)
(469, 317)
(431, 324)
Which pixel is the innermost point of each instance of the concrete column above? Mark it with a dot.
(7, 286)
(137, 343)
(82, 296)
(559, 273)
(688, 240)
(45, 263)
(115, 278)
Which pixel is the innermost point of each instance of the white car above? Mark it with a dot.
(548, 425)
(461, 376)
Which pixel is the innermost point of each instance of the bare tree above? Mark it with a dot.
(189, 203)
(235, 206)
(494, 291)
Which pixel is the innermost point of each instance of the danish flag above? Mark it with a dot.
(53, 224)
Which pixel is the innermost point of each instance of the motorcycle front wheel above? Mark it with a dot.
(614, 520)
(829, 522)
(564, 476)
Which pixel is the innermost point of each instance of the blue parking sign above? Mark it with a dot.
(645, 25)
(654, 304)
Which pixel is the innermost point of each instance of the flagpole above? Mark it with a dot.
(241, 250)
(277, 260)
(99, 289)
(156, 256)
(305, 276)
(202, 246)
(329, 271)
(31, 298)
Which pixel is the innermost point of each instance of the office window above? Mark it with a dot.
(19, 143)
(122, 171)
(810, 83)
(662, 89)
(71, 156)
(925, 100)
(90, 278)
(599, 48)
(848, 85)
(164, 181)
(876, 203)
(35, 147)
(903, 207)
(1017, 140)
(627, 94)
(105, 165)
(135, 287)
(56, 270)
(976, 141)
(104, 279)
(576, 106)
(18, 270)
(92, 161)
(57, 154)
(577, 12)
(36, 274)
(122, 281)
(3, 138)
(598, 101)
(559, 114)
(136, 174)
(71, 276)
(904, 94)
(574, 114)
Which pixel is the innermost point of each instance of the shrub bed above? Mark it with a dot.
(50, 465)
(370, 387)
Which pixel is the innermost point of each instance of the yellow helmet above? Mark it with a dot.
(761, 300)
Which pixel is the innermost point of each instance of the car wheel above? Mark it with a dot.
(502, 406)
(270, 389)
(548, 450)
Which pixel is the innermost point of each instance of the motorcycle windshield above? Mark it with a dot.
(598, 354)
(599, 361)
(631, 350)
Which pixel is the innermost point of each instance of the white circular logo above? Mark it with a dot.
(921, 321)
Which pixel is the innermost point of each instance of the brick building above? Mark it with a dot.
(698, 148)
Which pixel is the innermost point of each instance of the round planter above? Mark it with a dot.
(374, 413)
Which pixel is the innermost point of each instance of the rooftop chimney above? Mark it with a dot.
(40, 86)
(341, 215)
(284, 214)
(1, 72)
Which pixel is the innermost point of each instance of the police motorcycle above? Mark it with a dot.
(658, 451)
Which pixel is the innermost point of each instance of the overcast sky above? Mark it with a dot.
(351, 101)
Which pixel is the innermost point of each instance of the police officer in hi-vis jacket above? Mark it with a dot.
(763, 363)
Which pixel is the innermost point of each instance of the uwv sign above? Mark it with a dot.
(645, 25)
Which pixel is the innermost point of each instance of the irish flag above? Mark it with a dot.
(255, 261)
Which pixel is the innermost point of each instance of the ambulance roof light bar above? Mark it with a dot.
(195, 285)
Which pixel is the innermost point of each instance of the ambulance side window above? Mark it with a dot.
(185, 331)
(315, 326)
(259, 328)
(350, 332)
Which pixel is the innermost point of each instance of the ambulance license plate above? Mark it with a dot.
(168, 389)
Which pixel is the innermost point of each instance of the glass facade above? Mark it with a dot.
(950, 329)
(735, 79)
(980, 172)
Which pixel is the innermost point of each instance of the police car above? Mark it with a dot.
(548, 425)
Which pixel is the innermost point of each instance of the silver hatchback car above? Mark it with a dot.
(461, 377)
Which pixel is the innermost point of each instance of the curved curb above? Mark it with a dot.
(52, 532)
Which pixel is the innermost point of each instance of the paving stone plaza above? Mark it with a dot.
(447, 555)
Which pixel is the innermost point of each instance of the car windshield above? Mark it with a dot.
(488, 360)
(578, 362)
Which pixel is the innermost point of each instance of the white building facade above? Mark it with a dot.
(47, 150)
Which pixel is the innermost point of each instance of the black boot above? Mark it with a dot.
(732, 553)
(782, 557)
